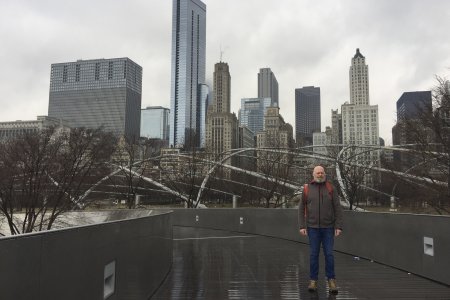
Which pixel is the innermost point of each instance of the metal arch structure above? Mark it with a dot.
(337, 159)
(121, 168)
(238, 151)
(408, 170)
(288, 151)
(379, 148)
(216, 164)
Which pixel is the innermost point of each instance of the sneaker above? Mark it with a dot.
(312, 287)
(332, 286)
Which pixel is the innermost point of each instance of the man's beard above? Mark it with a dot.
(320, 180)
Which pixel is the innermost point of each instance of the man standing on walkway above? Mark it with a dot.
(320, 218)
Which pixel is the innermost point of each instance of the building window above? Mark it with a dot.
(110, 70)
(97, 71)
(77, 72)
(65, 74)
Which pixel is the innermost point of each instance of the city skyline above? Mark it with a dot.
(403, 41)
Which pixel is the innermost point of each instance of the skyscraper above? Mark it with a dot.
(410, 104)
(205, 99)
(155, 122)
(222, 88)
(98, 92)
(359, 118)
(252, 112)
(268, 85)
(276, 134)
(336, 127)
(307, 114)
(188, 71)
(222, 126)
(359, 80)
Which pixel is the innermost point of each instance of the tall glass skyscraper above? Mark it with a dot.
(410, 104)
(252, 111)
(307, 113)
(155, 122)
(98, 93)
(188, 71)
(204, 103)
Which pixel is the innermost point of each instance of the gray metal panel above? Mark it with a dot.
(19, 268)
(73, 260)
(392, 239)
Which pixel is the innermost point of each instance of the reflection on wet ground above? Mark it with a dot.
(214, 264)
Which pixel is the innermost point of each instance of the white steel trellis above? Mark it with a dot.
(296, 152)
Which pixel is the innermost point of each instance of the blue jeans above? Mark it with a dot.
(324, 236)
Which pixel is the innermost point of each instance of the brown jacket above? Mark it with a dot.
(322, 209)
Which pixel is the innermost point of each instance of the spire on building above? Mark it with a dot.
(358, 54)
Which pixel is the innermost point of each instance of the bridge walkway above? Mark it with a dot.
(214, 264)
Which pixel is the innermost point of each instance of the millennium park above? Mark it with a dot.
(225, 150)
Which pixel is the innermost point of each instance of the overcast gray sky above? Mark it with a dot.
(304, 42)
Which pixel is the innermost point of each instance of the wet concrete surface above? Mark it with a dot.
(215, 264)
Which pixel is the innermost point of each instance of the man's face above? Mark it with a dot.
(319, 174)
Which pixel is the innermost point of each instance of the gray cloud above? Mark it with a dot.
(304, 42)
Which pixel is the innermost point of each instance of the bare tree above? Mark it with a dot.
(183, 171)
(430, 131)
(354, 173)
(44, 175)
(131, 157)
(275, 165)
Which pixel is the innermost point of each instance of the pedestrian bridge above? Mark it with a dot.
(226, 254)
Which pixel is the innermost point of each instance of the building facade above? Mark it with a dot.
(188, 72)
(360, 124)
(320, 140)
(359, 118)
(222, 88)
(246, 137)
(277, 134)
(222, 126)
(359, 80)
(336, 127)
(252, 111)
(247, 160)
(307, 114)
(155, 122)
(98, 93)
(14, 129)
(409, 106)
(205, 99)
(268, 85)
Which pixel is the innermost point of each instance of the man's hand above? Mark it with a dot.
(303, 231)
(337, 232)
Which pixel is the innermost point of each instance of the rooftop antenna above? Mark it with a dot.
(221, 53)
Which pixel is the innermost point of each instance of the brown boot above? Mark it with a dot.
(312, 287)
(332, 288)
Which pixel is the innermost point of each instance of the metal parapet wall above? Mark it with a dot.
(419, 244)
(127, 259)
